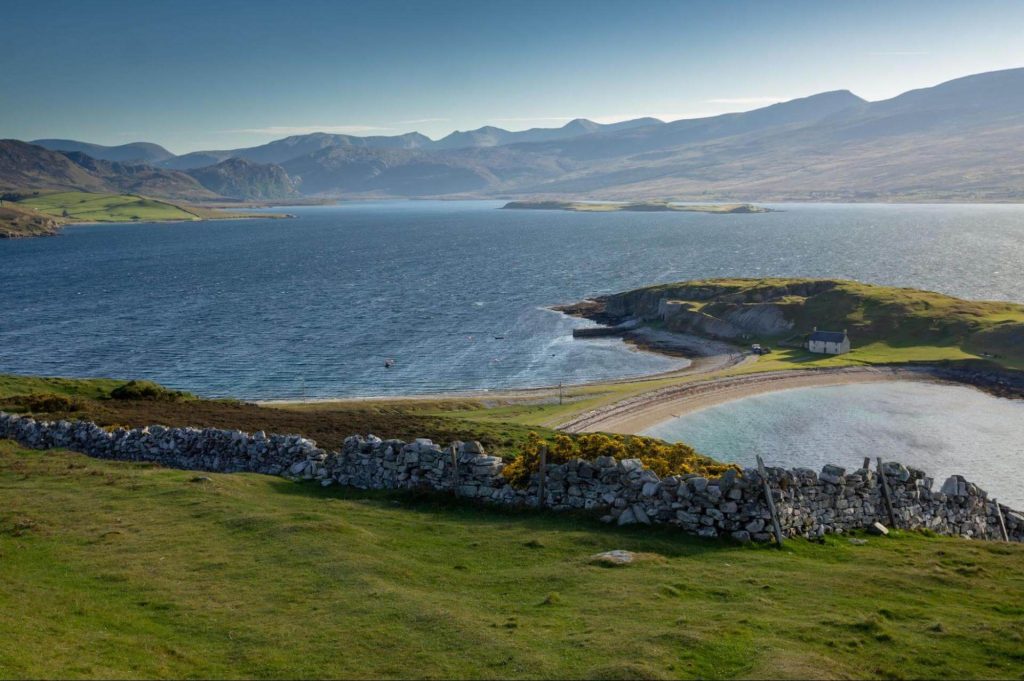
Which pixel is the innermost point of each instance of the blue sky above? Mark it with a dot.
(225, 74)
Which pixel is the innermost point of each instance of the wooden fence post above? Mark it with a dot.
(455, 469)
(1002, 525)
(771, 502)
(867, 463)
(885, 493)
(542, 477)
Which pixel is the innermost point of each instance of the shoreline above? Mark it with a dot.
(636, 414)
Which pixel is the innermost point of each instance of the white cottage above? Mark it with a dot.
(828, 342)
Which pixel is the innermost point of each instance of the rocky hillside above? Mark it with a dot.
(130, 178)
(16, 221)
(25, 166)
(243, 179)
(779, 309)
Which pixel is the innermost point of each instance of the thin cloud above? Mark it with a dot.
(898, 53)
(306, 129)
(417, 121)
(745, 100)
(535, 119)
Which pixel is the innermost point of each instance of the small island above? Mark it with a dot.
(637, 207)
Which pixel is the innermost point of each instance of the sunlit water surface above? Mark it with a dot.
(455, 292)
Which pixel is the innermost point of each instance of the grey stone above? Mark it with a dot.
(640, 515)
(614, 557)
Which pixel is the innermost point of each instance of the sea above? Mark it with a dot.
(456, 293)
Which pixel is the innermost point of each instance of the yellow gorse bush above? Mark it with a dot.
(662, 457)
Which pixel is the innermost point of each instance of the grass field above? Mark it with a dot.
(86, 207)
(127, 570)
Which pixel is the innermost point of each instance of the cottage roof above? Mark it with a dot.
(828, 336)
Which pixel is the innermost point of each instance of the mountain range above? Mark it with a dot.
(960, 140)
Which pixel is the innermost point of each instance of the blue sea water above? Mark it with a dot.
(941, 429)
(455, 292)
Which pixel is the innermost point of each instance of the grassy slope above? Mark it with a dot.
(124, 570)
(85, 207)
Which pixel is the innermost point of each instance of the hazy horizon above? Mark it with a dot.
(193, 76)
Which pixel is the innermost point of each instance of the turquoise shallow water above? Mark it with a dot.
(942, 429)
(312, 307)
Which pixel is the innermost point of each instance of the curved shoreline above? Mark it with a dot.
(638, 413)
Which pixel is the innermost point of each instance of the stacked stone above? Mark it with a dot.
(808, 504)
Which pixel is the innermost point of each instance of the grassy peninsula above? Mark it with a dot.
(43, 214)
(635, 207)
(885, 324)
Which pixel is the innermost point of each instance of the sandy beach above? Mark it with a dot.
(641, 412)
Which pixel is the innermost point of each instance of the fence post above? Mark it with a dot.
(455, 469)
(1002, 525)
(771, 502)
(867, 463)
(885, 493)
(542, 477)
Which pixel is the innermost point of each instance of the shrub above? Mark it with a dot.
(147, 390)
(662, 457)
(47, 402)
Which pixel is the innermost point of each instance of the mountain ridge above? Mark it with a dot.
(961, 140)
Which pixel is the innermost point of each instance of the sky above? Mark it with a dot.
(223, 74)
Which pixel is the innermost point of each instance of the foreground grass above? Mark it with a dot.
(127, 570)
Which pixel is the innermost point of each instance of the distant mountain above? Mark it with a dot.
(296, 146)
(490, 136)
(25, 166)
(28, 167)
(243, 179)
(363, 171)
(962, 140)
(136, 152)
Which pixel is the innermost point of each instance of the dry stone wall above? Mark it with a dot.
(809, 504)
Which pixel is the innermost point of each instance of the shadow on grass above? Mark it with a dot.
(665, 540)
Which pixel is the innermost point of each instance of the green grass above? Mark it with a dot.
(114, 570)
(12, 385)
(87, 207)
